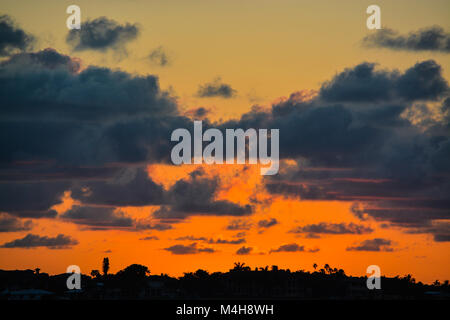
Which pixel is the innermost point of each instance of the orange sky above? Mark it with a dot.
(267, 50)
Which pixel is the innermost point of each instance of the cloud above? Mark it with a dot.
(314, 230)
(377, 244)
(149, 238)
(101, 34)
(427, 39)
(216, 88)
(211, 240)
(48, 58)
(239, 224)
(85, 118)
(196, 196)
(98, 217)
(129, 187)
(32, 241)
(12, 37)
(291, 247)
(356, 141)
(244, 250)
(10, 223)
(31, 199)
(363, 83)
(267, 223)
(189, 249)
(198, 113)
(159, 57)
(105, 218)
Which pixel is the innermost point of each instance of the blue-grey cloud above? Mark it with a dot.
(10, 223)
(244, 250)
(12, 38)
(216, 88)
(61, 241)
(377, 244)
(427, 39)
(101, 34)
(159, 57)
(180, 249)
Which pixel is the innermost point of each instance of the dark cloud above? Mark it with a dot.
(267, 223)
(12, 37)
(31, 199)
(48, 58)
(198, 113)
(196, 196)
(427, 39)
(357, 141)
(32, 241)
(291, 247)
(363, 83)
(244, 250)
(101, 34)
(98, 217)
(212, 241)
(440, 230)
(377, 244)
(104, 218)
(149, 238)
(239, 224)
(129, 187)
(10, 223)
(332, 228)
(216, 89)
(189, 249)
(159, 57)
(85, 118)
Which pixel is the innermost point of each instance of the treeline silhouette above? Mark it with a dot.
(241, 281)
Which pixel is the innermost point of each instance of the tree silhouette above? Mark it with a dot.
(95, 274)
(105, 266)
(315, 266)
(240, 266)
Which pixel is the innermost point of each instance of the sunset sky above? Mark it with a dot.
(364, 120)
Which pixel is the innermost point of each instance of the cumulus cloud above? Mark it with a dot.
(377, 244)
(31, 199)
(291, 247)
(10, 223)
(216, 88)
(103, 218)
(314, 230)
(267, 223)
(364, 83)
(427, 39)
(101, 34)
(149, 238)
(244, 250)
(129, 187)
(239, 224)
(12, 37)
(159, 57)
(211, 240)
(83, 129)
(189, 249)
(91, 117)
(98, 217)
(196, 196)
(61, 241)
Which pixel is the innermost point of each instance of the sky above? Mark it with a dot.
(364, 120)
